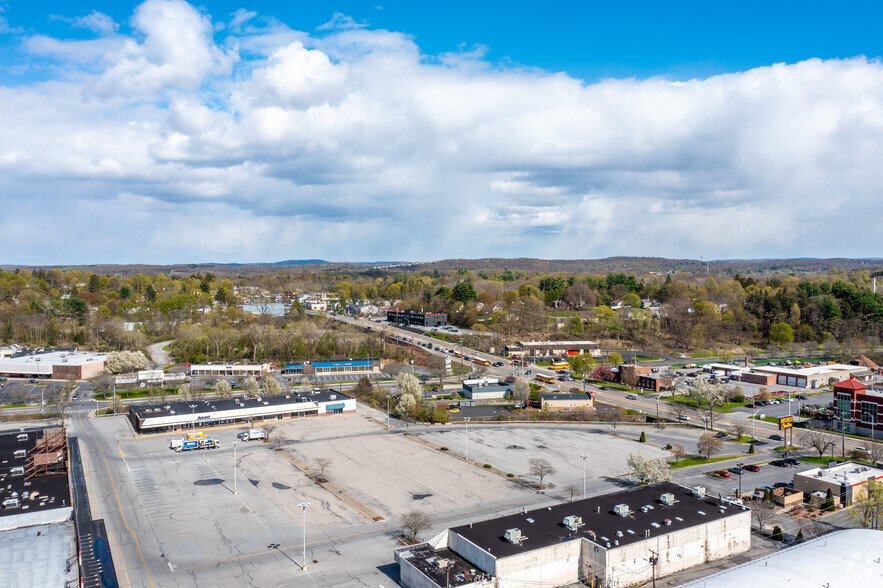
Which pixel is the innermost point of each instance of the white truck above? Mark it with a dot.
(252, 434)
(180, 445)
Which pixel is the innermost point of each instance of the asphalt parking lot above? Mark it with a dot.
(22, 392)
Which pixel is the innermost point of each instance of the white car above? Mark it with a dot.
(684, 417)
(732, 500)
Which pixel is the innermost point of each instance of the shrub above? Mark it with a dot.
(829, 501)
(777, 534)
(510, 475)
(487, 465)
(668, 446)
(643, 438)
(751, 448)
(444, 449)
(799, 538)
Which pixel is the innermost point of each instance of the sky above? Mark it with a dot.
(172, 132)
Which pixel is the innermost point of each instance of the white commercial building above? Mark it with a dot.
(219, 369)
(616, 540)
(843, 559)
(59, 364)
(176, 416)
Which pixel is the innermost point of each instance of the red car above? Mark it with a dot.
(751, 468)
(722, 474)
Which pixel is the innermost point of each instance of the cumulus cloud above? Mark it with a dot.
(182, 143)
(96, 22)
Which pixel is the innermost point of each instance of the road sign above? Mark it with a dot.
(786, 422)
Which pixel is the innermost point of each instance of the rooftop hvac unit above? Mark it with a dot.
(573, 522)
(332, 396)
(621, 510)
(668, 498)
(667, 522)
(699, 491)
(513, 536)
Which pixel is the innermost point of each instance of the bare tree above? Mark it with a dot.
(322, 465)
(709, 444)
(817, 438)
(268, 429)
(571, 489)
(763, 513)
(540, 468)
(413, 523)
(875, 451)
(740, 429)
(678, 452)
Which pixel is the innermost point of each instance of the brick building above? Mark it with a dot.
(860, 407)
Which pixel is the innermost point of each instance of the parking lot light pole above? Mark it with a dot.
(304, 506)
(585, 457)
(466, 447)
(235, 443)
(753, 420)
(387, 410)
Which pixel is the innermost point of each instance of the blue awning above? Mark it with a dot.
(335, 406)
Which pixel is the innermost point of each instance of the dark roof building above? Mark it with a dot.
(176, 415)
(413, 317)
(607, 540)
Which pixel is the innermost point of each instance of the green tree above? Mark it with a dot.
(829, 501)
(631, 299)
(643, 437)
(781, 334)
(777, 534)
(94, 283)
(251, 386)
(272, 386)
(223, 389)
(615, 358)
(464, 291)
(799, 538)
(76, 308)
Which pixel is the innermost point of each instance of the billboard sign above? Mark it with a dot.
(786, 422)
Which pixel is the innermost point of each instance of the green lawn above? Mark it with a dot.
(696, 460)
(138, 393)
(681, 399)
(642, 358)
(826, 459)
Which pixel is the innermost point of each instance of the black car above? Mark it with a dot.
(777, 438)
(791, 461)
(779, 463)
(721, 435)
(801, 397)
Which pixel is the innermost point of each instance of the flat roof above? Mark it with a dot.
(456, 572)
(850, 472)
(598, 517)
(566, 396)
(215, 405)
(46, 492)
(842, 559)
(38, 556)
(69, 356)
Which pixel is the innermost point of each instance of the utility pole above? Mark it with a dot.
(654, 560)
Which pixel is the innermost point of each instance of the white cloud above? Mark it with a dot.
(263, 142)
(96, 22)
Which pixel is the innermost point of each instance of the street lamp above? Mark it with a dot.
(466, 449)
(387, 410)
(235, 443)
(585, 457)
(753, 420)
(304, 506)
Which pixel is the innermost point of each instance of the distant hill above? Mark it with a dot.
(635, 265)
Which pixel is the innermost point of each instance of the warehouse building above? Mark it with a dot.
(334, 367)
(58, 364)
(220, 369)
(817, 376)
(536, 349)
(413, 317)
(615, 540)
(178, 416)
